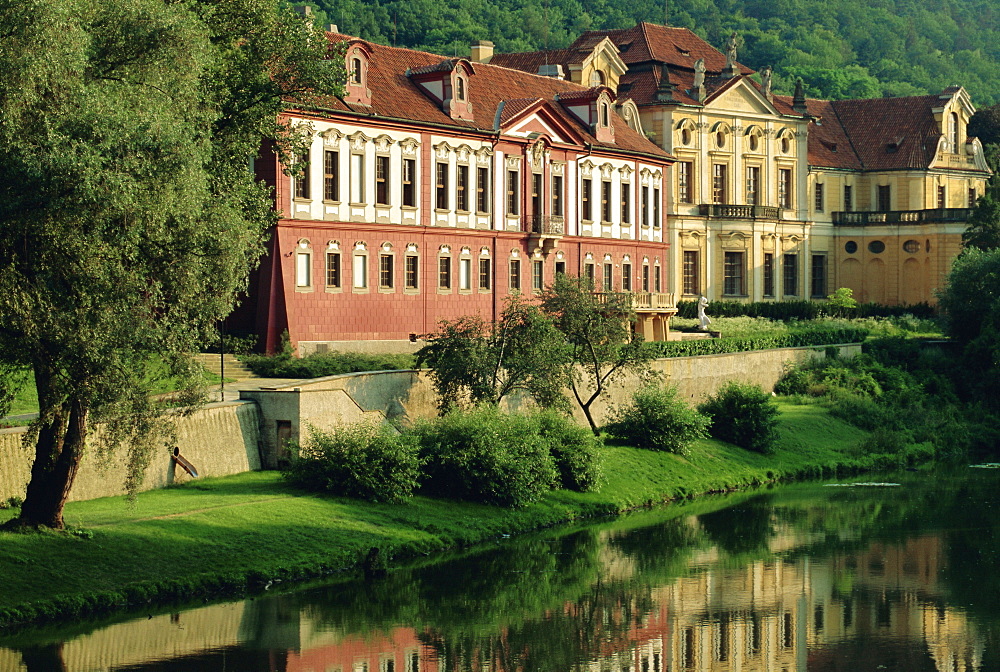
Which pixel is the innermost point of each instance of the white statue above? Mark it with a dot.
(702, 317)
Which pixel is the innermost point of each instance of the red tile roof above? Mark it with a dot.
(395, 96)
(677, 47)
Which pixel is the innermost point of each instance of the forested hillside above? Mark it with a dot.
(840, 48)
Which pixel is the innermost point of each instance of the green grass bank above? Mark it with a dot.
(230, 536)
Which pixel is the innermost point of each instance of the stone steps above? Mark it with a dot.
(233, 368)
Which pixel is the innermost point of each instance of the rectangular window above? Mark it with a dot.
(848, 198)
(586, 200)
(485, 274)
(333, 269)
(645, 277)
(719, 180)
(627, 203)
(644, 206)
(626, 277)
(691, 284)
(884, 198)
(303, 269)
(482, 189)
(972, 198)
(685, 184)
(785, 188)
(557, 196)
(768, 274)
(819, 276)
(590, 273)
(942, 197)
(465, 274)
(444, 273)
(537, 276)
(605, 201)
(412, 271)
(360, 271)
(657, 279)
(409, 183)
(331, 175)
(515, 274)
(357, 178)
(609, 281)
(790, 273)
(441, 186)
(560, 268)
(462, 189)
(656, 207)
(733, 273)
(381, 180)
(536, 201)
(513, 193)
(301, 184)
(818, 197)
(753, 185)
(386, 263)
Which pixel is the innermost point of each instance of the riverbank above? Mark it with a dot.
(228, 536)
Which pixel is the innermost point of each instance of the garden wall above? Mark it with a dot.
(218, 440)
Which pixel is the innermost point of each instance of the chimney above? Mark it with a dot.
(554, 71)
(482, 51)
(304, 10)
(332, 28)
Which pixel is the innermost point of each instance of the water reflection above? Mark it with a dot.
(801, 578)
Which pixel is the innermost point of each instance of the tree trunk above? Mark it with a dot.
(58, 450)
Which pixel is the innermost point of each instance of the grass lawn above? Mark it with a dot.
(219, 536)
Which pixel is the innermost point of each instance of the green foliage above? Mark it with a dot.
(475, 362)
(801, 310)
(657, 419)
(596, 329)
(317, 365)
(743, 414)
(971, 302)
(577, 453)
(850, 48)
(983, 230)
(717, 346)
(483, 455)
(843, 298)
(128, 219)
(364, 461)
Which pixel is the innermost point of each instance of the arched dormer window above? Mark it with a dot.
(605, 114)
(597, 78)
(460, 88)
(358, 61)
(953, 131)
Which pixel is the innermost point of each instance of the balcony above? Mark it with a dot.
(732, 211)
(642, 302)
(545, 230)
(901, 217)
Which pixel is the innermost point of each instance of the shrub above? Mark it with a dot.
(574, 449)
(744, 415)
(483, 455)
(366, 461)
(657, 419)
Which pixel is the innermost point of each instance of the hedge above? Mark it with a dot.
(800, 310)
(718, 346)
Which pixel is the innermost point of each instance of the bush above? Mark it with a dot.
(790, 339)
(574, 449)
(366, 461)
(284, 365)
(483, 455)
(744, 415)
(656, 419)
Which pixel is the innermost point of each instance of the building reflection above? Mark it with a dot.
(789, 612)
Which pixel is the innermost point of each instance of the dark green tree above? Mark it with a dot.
(477, 362)
(128, 218)
(598, 330)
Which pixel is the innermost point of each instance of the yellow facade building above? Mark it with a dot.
(785, 198)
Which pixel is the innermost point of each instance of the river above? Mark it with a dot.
(898, 575)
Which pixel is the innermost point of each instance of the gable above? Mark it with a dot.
(541, 120)
(741, 98)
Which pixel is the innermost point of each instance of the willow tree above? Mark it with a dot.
(129, 219)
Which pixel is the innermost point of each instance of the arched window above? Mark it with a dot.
(597, 78)
(460, 88)
(953, 131)
(605, 115)
(356, 71)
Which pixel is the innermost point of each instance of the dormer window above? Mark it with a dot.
(358, 61)
(597, 78)
(460, 88)
(605, 114)
(953, 131)
(447, 84)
